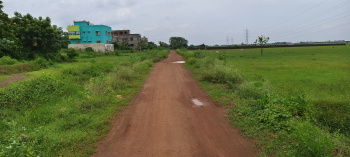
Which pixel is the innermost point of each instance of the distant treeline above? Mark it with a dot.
(266, 46)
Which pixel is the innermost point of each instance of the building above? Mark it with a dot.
(83, 34)
(119, 36)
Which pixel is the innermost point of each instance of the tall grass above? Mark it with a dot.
(65, 113)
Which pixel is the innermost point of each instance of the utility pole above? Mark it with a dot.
(227, 41)
(246, 36)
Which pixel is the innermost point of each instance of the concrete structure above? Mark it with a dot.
(84, 34)
(97, 47)
(133, 40)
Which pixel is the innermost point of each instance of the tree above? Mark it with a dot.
(121, 46)
(7, 37)
(178, 42)
(262, 40)
(36, 35)
(151, 45)
(163, 45)
(141, 44)
(26, 37)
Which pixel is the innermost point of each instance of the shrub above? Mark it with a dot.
(309, 140)
(222, 74)
(6, 60)
(192, 61)
(89, 49)
(41, 63)
(250, 90)
(71, 53)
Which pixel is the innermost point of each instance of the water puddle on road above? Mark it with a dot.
(197, 102)
(181, 62)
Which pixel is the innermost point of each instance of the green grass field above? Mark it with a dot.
(323, 73)
(293, 101)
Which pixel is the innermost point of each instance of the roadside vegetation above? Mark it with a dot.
(294, 101)
(65, 109)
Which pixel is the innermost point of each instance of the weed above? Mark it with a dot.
(6, 60)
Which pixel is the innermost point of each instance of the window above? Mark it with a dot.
(106, 33)
(89, 41)
(109, 33)
(106, 41)
(132, 39)
(88, 31)
(84, 32)
(84, 41)
(98, 41)
(77, 42)
(97, 33)
(132, 45)
(73, 33)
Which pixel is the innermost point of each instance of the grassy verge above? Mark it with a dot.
(65, 110)
(285, 121)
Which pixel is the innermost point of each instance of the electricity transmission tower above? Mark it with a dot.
(246, 36)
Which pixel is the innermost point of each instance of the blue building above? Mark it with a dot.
(83, 32)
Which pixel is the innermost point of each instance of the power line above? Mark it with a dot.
(288, 19)
(246, 36)
(316, 31)
(331, 9)
(313, 25)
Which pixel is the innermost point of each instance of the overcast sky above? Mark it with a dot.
(202, 21)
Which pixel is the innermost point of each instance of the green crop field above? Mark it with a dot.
(323, 73)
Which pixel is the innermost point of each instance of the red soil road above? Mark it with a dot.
(163, 121)
(12, 78)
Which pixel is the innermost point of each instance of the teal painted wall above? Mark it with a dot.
(88, 33)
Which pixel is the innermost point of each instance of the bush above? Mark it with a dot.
(309, 140)
(222, 74)
(89, 49)
(192, 61)
(41, 63)
(71, 53)
(6, 60)
(250, 90)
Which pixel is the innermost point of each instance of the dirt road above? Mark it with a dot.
(172, 116)
(12, 78)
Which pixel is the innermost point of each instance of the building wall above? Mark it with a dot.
(85, 33)
(97, 47)
(120, 36)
